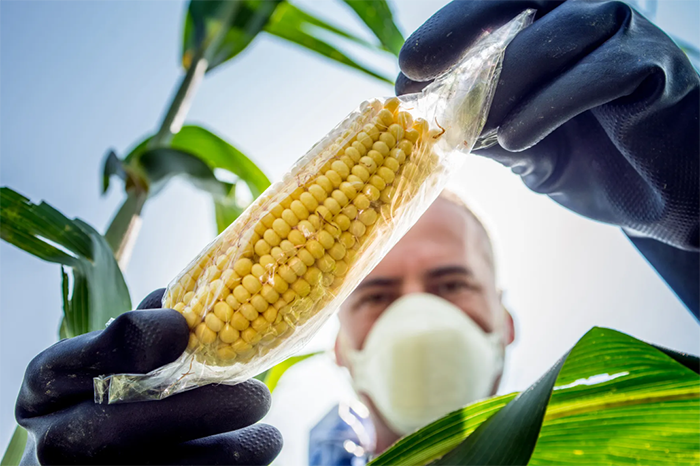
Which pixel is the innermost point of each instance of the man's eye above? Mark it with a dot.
(454, 286)
(376, 298)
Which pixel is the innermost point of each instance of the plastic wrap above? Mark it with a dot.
(263, 287)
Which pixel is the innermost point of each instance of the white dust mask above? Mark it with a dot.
(423, 358)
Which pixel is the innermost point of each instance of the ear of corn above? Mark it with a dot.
(267, 277)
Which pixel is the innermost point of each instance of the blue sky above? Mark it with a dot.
(78, 78)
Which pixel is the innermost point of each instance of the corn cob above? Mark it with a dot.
(286, 257)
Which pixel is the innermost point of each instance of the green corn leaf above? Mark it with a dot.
(290, 23)
(193, 153)
(616, 400)
(163, 164)
(98, 291)
(199, 143)
(13, 454)
(227, 210)
(226, 28)
(294, 15)
(272, 376)
(377, 15)
(217, 153)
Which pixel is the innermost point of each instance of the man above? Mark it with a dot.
(595, 107)
(422, 335)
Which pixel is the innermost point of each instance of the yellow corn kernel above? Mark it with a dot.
(239, 322)
(259, 304)
(378, 182)
(269, 293)
(287, 274)
(360, 171)
(371, 192)
(251, 284)
(226, 352)
(233, 302)
(260, 324)
(241, 294)
(385, 118)
(204, 334)
(228, 334)
(326, 263)
(214, 323)
(289, 217)
(337, 251)
(325, 183)
(223, 311)
(248, 311)
(350, 211)
(240, 346)
(334, 178)
(313, 276)
(301, 287)
(191, 317)
(193, 343)
(347, 239)
(270, 315)
(353, 153)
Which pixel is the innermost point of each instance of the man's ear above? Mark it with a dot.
(339, 358)
(508, 324)
(509, 328)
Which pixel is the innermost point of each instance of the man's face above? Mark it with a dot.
(445, 254)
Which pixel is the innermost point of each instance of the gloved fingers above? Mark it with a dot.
(404, 85)
(135, 342)
(440, 42)
(574, 43)
(258, 444)
(539, 166)
(153, 300)
(568, 62)
(89, 432)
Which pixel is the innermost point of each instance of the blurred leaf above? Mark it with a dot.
(227, 210)
(217, 153)
(616, 400)
(238, 23)
(211, 149)
(112, 166)
(227, 28)
(163, 164)
(98, 289)
(13, 454)
(290, 23)
(377, 16)
(272, 376)
(303, 20)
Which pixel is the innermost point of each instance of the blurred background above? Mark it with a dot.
(78, 78)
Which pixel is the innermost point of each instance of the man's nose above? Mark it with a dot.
(413, 285)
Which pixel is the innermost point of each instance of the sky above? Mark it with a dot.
(79, 78)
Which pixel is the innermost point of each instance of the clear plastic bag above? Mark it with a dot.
(264, 286)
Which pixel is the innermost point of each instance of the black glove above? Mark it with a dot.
(597, 108)
(207, 425)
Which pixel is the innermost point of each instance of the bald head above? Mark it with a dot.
(483, 234)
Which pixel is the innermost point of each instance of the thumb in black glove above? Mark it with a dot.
(207, 425)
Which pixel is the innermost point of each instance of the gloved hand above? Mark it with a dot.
(595, 107)
(207, 425)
